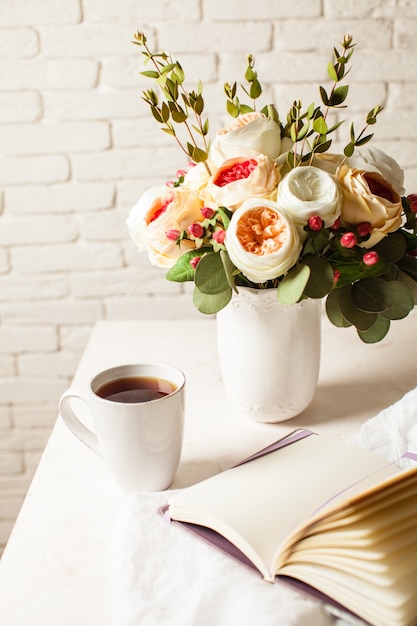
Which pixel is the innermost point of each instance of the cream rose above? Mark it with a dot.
(307, 191)
(262, 240)
(197, 177)
(249, 134)
(159, 210)
(240, 178)
(375, 160)
(369, 198)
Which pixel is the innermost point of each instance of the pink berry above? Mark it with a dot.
(370, 258)
(207, 212)
(173, 234)
(315, 223)
(348, 240)
(219, 235)
(195, 261)
(363, 229)
(195, 230)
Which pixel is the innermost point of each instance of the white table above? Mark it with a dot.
(55, 570)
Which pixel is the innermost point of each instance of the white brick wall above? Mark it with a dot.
(77, 147)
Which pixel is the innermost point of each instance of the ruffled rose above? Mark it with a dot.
(262, 241)
(310, 191)
(371, 199)
(249, 134)
(157, 212)
(375, 160)
(240, 178)
(197, 177)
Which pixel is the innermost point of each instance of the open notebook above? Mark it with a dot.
(329, 516)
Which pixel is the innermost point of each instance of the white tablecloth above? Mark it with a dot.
(188, 583)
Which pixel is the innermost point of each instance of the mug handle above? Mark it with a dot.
(83, 433)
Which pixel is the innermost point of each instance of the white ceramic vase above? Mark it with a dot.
(269, 354)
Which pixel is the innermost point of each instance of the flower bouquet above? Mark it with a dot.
(266, 204)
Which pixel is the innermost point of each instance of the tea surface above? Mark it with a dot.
(134, 389)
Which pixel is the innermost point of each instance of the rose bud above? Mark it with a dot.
(172, 234)
(370, 258)
(336, 276)
(219, 235)
(348, 240)
(195, 230)
(315, 223)
(336, 224)
(195, 261)
(363, 229)
(412, 199)
(180, 173)
(208, 212)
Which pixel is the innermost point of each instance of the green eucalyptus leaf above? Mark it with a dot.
(376, 332)
(323, 146)
(371, 295)
(401, 300)
(324, 97)
(156, 112)
(339, 95)
(363, 140)
(150, 73)
(232, 109)
(320, 126)
(167, 68)
(292, 286)
(198, 105)
(210, 275)
(213, 303)
(303, 132)
(349, 149)
(411, 284)
(409, 265)
(165, 112)
(361, 319)
(392, 247)
(245, 108)
(332, 72)
(182, 270)
(225, 215)
(169, 131)
(255, 89)
(333, 309)
(229, 269)
(291, 159)
(321, 277)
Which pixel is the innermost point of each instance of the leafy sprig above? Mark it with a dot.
(177, 104)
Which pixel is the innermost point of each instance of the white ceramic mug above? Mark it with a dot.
(140, 442)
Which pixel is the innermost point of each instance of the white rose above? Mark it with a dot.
(375, 160)
(241, 178)
(197, 177)
(159, 211)
(307, 191)
(262, 240)
(249, 134)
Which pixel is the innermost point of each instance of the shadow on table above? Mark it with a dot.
(344, 400)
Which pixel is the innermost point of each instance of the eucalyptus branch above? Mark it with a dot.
(169, 77)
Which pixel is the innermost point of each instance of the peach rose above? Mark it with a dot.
(158, 211)
(376, 160)
(249, 134)
(369, 198)
(262, 240)
(240, 178)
